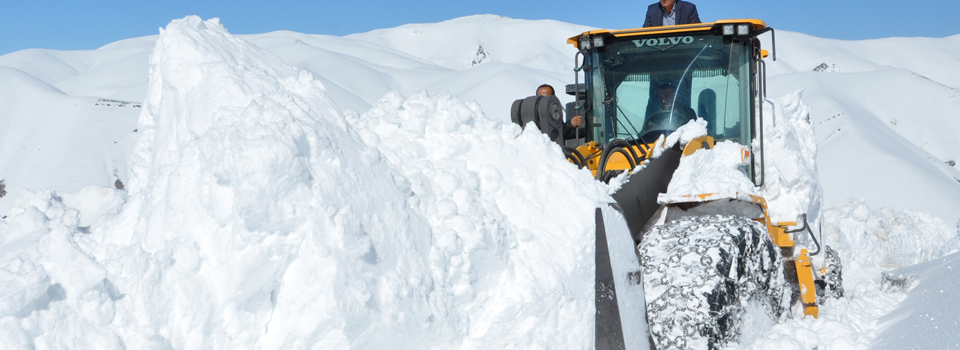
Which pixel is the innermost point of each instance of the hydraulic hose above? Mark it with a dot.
(578, 103)
(605, 158)
(806, 227)
(626, 145)
(574, 155)
(618, 146)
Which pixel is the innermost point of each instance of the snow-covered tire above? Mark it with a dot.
(830, 282)
(698, 274)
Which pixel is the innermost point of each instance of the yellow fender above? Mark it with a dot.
(702, 142)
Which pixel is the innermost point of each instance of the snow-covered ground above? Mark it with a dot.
(287, 190)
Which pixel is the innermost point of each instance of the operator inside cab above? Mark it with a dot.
(672, 114)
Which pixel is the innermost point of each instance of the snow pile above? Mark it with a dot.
(886, 238)
(509, 218)
(913, 309)
(875, 315)
(259, 216)
(54, 295)
(792, 185)
(846, 323)
(707, 174)
(683, 135)
(95, 203)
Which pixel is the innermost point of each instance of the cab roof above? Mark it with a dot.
(683, 28)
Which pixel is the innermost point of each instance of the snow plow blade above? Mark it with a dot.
(638, 197)
(621, 308)
(621, 320)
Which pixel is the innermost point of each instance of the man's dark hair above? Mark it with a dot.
(552, 90)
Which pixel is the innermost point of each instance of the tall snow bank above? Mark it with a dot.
(315, 237)
(238, 198)
(509, 217)
(258, 216)
(791, 185)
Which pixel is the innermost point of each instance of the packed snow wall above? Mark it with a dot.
(791, 183)
(259, 216)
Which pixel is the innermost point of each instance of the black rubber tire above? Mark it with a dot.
(698, 273)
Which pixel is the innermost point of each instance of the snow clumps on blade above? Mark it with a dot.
(717, 172)
(684, 134)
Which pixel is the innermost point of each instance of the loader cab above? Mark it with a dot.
(707, 71)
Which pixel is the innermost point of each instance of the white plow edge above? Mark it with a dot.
(630, 297)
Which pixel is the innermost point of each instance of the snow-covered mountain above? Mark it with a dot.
(886, 110)
(207, 190)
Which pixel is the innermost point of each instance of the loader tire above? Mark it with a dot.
(830, 283)
(700, 272)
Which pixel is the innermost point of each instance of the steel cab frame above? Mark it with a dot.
(642, 84)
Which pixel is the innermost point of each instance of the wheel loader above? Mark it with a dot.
(681, 272)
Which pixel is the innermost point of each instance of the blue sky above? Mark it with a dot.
(76, 25)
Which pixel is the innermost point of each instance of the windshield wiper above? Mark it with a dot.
(635, 131)
(679, 83)
(608, 102)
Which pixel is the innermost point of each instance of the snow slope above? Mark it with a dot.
(930, 315)
(114, 71)
(50, 137)
(483, 40)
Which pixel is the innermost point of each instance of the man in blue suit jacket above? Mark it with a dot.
(671, 12)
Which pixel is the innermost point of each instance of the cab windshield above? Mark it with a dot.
(642, 88)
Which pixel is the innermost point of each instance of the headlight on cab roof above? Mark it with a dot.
(727, 29)
(598, 41)
(743, 29)
(585, 43)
